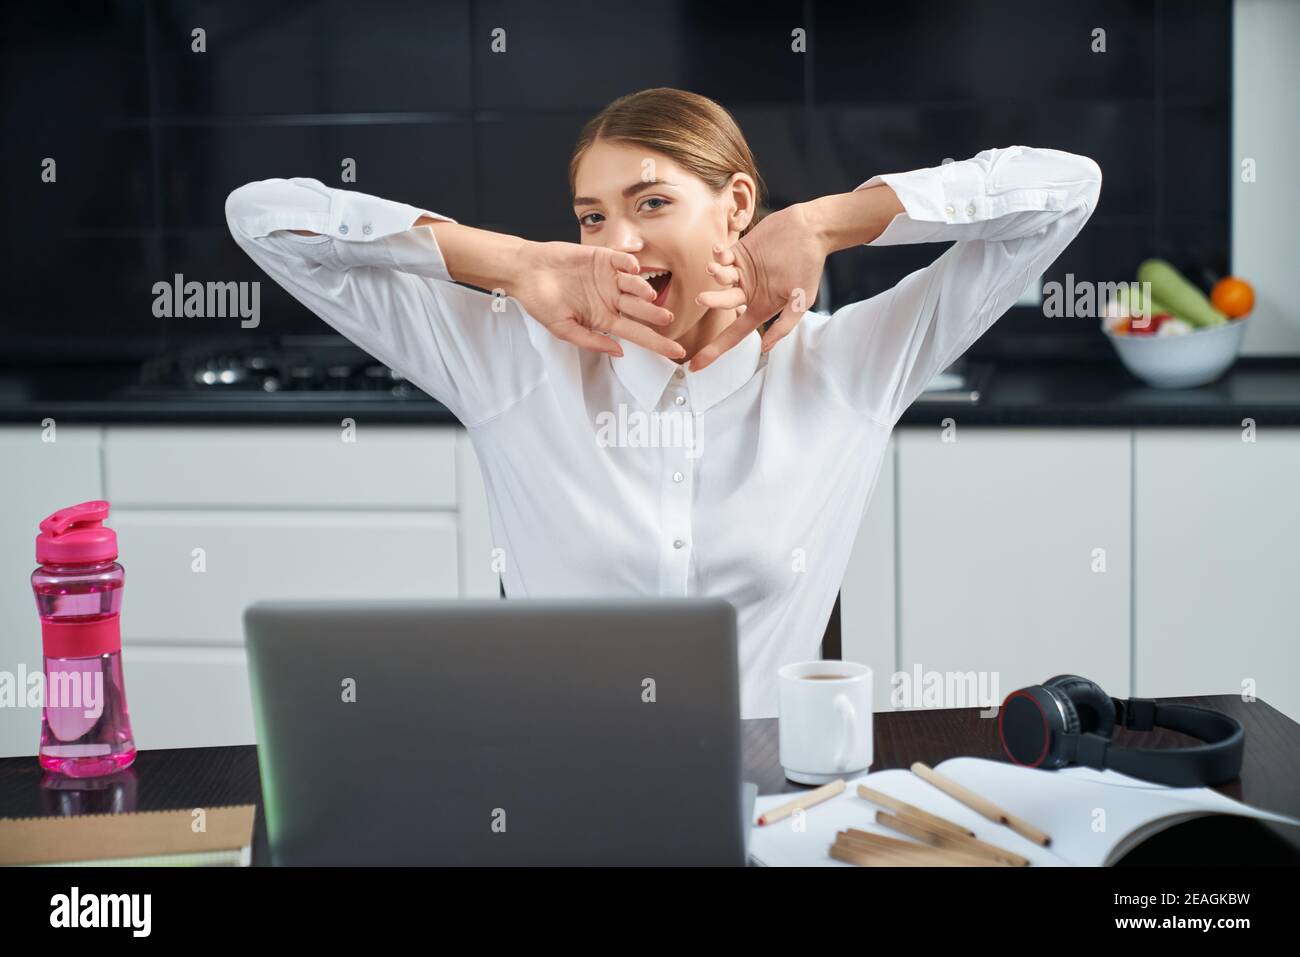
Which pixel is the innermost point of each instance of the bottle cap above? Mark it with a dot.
(77, 534)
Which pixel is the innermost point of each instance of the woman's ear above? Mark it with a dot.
(742, 195)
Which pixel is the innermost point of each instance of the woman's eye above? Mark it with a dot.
(582, 220)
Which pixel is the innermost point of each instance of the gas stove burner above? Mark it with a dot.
(308, 371)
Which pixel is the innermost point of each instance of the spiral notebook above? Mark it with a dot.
(1093, 817)
(146, 838)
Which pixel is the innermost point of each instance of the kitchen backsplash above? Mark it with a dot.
(150, 135)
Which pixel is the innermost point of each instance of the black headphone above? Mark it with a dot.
(1069, 720)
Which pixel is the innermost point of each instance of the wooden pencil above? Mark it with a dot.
(884, 851)
(805, 800)
(922, 831)
(977, 803)
(894, 804)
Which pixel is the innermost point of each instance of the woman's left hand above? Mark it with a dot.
(776, 267)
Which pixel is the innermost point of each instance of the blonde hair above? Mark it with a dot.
(693, 131)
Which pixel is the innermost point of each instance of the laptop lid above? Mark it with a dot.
(473, 732)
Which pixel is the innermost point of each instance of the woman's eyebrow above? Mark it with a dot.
(627, 192)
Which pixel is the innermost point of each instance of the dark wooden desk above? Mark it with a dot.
(209, 777)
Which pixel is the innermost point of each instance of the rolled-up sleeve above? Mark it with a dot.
(1011, 212)
(383, 283)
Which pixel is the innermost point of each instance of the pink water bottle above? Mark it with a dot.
(85, 728)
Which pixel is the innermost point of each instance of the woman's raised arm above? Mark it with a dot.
(389, 277)
(1011, 212)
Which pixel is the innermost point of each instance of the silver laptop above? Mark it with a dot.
(490, 732)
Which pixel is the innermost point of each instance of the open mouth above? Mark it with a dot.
(660, 280)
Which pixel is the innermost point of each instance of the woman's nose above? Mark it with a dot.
(628, 241)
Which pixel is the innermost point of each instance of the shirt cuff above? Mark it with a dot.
(372, 231)
(932, 198)
(943, 202)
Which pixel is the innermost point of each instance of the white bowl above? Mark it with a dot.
(1184, 361)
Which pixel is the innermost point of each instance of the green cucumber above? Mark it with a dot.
(1137, 301)
(1178, 296)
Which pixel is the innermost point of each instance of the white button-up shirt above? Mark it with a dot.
(633, 476)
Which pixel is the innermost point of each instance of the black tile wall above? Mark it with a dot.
(83, 62)
(523, 169)
(1195, 164)
(571, 56)
(425, 164)
(103, 180)
(954, 50)
(81, 286)
(326, 56)
(151, 136)
(1194, 53)
(210, 255)
(739, 52)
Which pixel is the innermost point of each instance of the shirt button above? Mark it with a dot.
(678, 543)
(366, 229)
(970, 210)
(680, 373)
(343, 228)
(948, 210)
(677, 476)
(680, 400)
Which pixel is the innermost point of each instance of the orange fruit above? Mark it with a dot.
(1233, 297)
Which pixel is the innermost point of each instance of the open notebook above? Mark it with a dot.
(1093, 817)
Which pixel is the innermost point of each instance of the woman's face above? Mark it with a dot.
(638, 201)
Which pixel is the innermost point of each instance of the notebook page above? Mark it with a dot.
(783, 844)
(1091, 814)
(1088, 814)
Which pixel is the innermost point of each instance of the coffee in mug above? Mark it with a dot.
(824, 720)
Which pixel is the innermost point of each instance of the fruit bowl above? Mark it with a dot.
(1184, 361)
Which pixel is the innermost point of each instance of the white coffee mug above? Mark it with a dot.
(824, 723)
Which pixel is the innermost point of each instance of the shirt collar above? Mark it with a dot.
(646, 374)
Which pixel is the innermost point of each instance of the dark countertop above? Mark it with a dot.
(1038, 392)
(217, 776)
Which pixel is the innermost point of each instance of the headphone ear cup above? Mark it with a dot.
(1054, 759)
(1030, 722)
(1067, 709)
(1092, 708)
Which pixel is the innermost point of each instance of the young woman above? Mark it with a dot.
(637, 432)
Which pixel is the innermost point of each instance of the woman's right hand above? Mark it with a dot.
(579, 292)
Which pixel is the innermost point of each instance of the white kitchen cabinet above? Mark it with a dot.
(188, 698)
(211, 519)
(1014, 560)
(1217, 544)
(867, 621)
(383, 466)
(37, 476)
(191, 574)
(214, 518)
